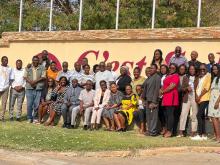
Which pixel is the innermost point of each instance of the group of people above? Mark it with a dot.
(165, 101)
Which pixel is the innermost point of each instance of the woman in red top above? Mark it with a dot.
(170, 98)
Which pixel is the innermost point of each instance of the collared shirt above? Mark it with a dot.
(76, 75)
(178, 60)
(87, 97)
(6, 75)
(85, 77)
(66, 74)
(106, 75)
(18, 77)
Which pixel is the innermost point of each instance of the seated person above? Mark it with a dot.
(71, 101)
(46, 99)
(86, 105)
(57, 98)
(139, 114)
(124, 116)
(101, 99)
(113, 105)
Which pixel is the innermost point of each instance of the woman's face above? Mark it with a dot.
(113, 88)
(50, 82)
(136, 73)
(97, 69)
(53, 67)
(163, 70)
(192, 71)
(87, 69)
(215, 70)
(172, 69)
(182, 70)
(63, 82)
(128, 90)
(157, 55)
(103, 86)
(202, 70)
(123, 71)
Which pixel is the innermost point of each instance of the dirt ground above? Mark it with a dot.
(182, 158)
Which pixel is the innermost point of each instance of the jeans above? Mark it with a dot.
(201, 117)
(20, 99)
(33, 100)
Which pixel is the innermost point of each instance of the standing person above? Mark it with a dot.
(178, 58)
(158, 59)
(139, 113)
(46, 99)
(211, 58)
(65, 72)
(6, 76)
(124, 117)
(194, 61)
(45, 61)
(138, 79)
(95, 69)
(52, 71)
(189, 102)
(57, 98)
(124, 79)
(103, 74)
(101, 99)
(84, 62)
(71, 103)
(17, 91)
(170, 101)
(214, 109)
(113, 105)
(164, 70)
(35, 82)
(86, 76)
(109, 68)
(77, 72)
(151, 98)
(202, 87)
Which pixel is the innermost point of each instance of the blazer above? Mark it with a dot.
(98, 97)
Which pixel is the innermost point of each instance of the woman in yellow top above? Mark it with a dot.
(52, 71)
(124, 116)
(138, 79)
(202, 95)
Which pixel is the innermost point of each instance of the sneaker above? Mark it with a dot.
(204, 138)
(35, 121)
(196, 138)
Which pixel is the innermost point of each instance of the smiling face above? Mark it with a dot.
(192, 71)
(87, 69)
(103, 86)
(139, 90)
(114, 88)
(35, 61)
(215, 70)
(182, 70)
(65, 66)
(53, 67)
(4, 61)
(157, 55)
(128, 90)
(102, 66)
(77, 67)
(18, 64)
(50, 82)
(194, 55)
(202, 70)
(178, 51)
(172, 69)
(211, 58)
(163, 70)
(89, 85)
(136, 73)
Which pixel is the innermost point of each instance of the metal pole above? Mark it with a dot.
(117, 14)
(153, 14)
(199, 13)
(51, 15)
(80, 14)
(20, 16)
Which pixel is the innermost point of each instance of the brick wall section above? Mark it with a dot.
(128, 34)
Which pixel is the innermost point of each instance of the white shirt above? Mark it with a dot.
(114, 74)
(76, 75)
(106, 75)
(87, 77)
(5, 76)
(65, 74)
(18, 77)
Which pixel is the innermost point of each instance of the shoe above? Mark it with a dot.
(64, 126)
(70, 126)
(85, 127)
(204, 138)
(11, 119)
(18, 119)
(196, 138)
(35, 121)
(179, 136)
(29, 121)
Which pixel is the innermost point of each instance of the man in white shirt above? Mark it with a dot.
(103, 74)
(65, 72)
(77, 72)
(5, 79)
(109, 68)
(17, 90)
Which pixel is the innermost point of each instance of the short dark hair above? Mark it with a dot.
(4, 57)
(19, 60)
(35, 57)
(155, 65)
(102, 81)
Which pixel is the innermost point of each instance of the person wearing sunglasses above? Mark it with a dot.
(202, 88)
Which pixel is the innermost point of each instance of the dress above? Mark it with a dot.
(215, 92)
(128, 113)
(56, 105)
(114, 99)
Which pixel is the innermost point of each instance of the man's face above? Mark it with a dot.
(77, 67)
(102, 67)
(84, 61)
(4, 61)
(211, 58)
(178, 51)
(109, 67)
(138, 89)
(88, 85)
(153, 70)
(19, 65)
(65, 66)
(194, 55)
(44, 55)
(35, 62)
(74, 83)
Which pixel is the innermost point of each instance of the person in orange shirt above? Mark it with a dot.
(52, 71)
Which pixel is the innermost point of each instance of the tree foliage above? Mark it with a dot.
(100, 14)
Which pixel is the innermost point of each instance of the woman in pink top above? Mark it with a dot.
(170, 98)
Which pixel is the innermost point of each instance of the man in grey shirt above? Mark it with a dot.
(71, 100)
(178, 58)
(151, 98)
